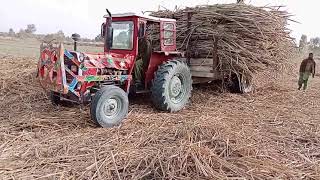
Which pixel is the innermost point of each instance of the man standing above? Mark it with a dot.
(307, 68)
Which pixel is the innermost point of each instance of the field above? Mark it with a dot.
(30, 47)
(273, 133)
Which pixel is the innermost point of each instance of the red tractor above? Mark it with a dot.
(132, 61)
(105, 79)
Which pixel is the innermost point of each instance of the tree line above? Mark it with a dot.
(29, 32)
(313, 43)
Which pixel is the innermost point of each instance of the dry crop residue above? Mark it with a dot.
(273, 133)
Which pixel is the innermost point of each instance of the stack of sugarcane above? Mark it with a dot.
(153, 34)
(249, 38)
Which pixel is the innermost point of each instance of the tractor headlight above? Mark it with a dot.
(122, 64)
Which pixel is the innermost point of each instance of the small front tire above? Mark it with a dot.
(109, 106)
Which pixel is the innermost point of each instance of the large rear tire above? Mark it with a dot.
(109, 106)
(172, 86)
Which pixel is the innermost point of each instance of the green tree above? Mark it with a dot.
(11, 32)
(22, 34)
(303, 41)
(60, 36)
(315, 42)
(31, 28)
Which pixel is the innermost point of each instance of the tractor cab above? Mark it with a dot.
(136, 37)
(127, 28)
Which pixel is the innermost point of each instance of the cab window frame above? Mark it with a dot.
(131, 43)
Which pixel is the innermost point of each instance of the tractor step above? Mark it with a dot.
(142, 91)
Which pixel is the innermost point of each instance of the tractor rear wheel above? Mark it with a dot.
(172, 86)
(109, 106)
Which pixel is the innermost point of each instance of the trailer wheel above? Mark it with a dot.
(240, 86)
(246, 87)
(54, 98)
(109, 106)
(172, 86)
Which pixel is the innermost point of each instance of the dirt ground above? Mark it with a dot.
(273, 133)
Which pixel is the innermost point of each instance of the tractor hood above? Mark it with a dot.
(60, 70)
(106, 60)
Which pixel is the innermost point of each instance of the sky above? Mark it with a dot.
(85, 16)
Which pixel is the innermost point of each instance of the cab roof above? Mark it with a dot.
(151, 18)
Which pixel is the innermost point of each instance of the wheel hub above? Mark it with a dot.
(176, 89)
(111, 107)
(176, 86)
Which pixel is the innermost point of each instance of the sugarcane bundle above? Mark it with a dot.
(249, 38)
(153, 34)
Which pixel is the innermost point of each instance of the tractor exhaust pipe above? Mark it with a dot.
(75, 45)
(109, 13)
(76, 38)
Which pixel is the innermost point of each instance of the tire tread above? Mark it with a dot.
(161, 77)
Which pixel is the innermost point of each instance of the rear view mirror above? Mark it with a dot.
(108, 31)
(103, 29)
(109, 37)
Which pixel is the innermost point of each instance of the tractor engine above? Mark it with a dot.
(76, 76)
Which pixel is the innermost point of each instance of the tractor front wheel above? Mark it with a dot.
(172, 85)
(109, 106)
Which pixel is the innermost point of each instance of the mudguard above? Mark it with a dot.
(51, 71)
